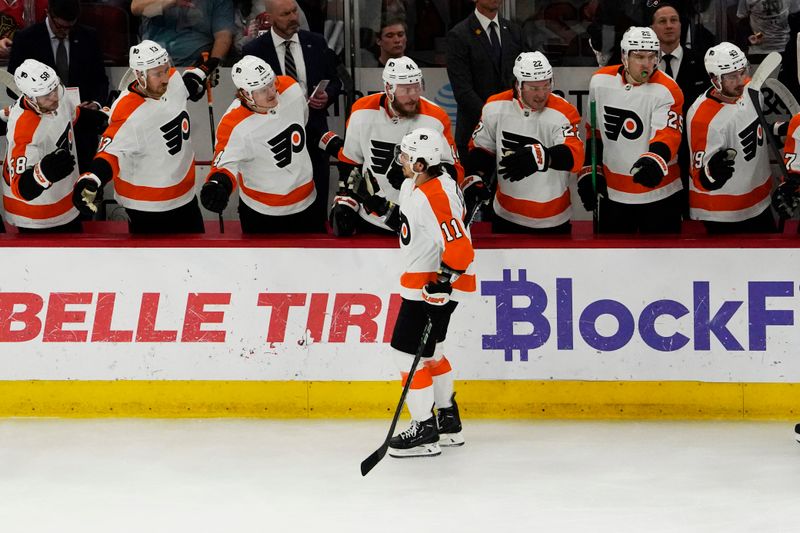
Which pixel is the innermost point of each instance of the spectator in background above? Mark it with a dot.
(390, 42)
(74, 52)
(16, 15)
(187, 28)
(481, 51)
(686, 67)
(769, 25)
(304, 56)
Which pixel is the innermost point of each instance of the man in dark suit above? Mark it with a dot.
(481, 50)
(687, 69)
(75, 54)
(306, 57)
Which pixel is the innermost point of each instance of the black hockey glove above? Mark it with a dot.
(475, 191)
(344, 216)
(365, 188)
(209, 68)
(524, 161)
(215, 192)
(331, 143)
(54, 167)
(786, 198)
(718, 170)
(586, 192)
(436, 294)
(649, 170)
(84, 194)
(395, 175)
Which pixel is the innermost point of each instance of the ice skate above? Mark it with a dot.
(449, 423)
(420, 440)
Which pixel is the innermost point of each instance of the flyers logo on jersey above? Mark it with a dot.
(621, 121)
(382, 156)
(175, 132)
(751, 137)
(405, 229)
(290, 141)
(512, 141)
(65, 140)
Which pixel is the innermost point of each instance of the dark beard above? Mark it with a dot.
(407, 114)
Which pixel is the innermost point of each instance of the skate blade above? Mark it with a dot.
(424, 450)
(450, 440)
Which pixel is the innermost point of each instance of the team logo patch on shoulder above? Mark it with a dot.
(751, 137)
(381, 156)
(290, 141)
(621, 121)
(175, 132)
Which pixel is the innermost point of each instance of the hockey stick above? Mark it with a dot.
(375, 457)
(593, 149)
(782, 92)
(771, 142)
(210, 98)
(7, 80)
(765, 70)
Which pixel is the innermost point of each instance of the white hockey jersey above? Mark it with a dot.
(266, 154)
(372, 133)
(715, 125)
(31, 136)
(147, 145)
(432, 232)
(541, 200)
(791, 149)
(630, 118)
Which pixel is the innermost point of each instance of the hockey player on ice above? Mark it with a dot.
(437, 255)
(146, 148)
(532, 135)
(376, 125)
(39, 168)
(639, 125)
(731, 176)
(261, 146)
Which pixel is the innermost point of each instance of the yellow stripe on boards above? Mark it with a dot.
(378, 399)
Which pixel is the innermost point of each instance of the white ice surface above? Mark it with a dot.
(157, 476)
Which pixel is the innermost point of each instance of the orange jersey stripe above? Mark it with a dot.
(533, 209)
(458, 252)
(24, 130)
(37, 212)
(791, 144)
(702, 118)
(129, 103)
(144, 193)
(283, 82)
(417, 280)
(729, 202)
(624, 182)
(422, 379)
(278, 200)
(438, 368)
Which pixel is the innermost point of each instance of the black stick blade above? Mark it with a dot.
(370, 462)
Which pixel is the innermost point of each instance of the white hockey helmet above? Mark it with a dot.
(422, 143)
(639, 38)
(252, 73)
(146, 55)
(532, 66)
(401, 71)
(35, 79)
(724, 58)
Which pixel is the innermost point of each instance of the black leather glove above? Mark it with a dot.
(54, 167)
(395, 175)
(84, 194)
(215, 192)
(718, 170)
(209, 68)
(365, 188)
(524, 161)
(475, 191)
(786, 198)
(344, 216)
(331, 143)
(587, 192)
(649, 170)
(436, 294)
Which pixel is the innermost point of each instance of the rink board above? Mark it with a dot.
(677, 329)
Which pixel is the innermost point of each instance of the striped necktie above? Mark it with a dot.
(290, 67)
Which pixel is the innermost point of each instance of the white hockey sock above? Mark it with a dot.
(442, 375)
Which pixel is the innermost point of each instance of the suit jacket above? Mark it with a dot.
(86, 68)
(693, 80)
(320, 65)
(474, 76)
